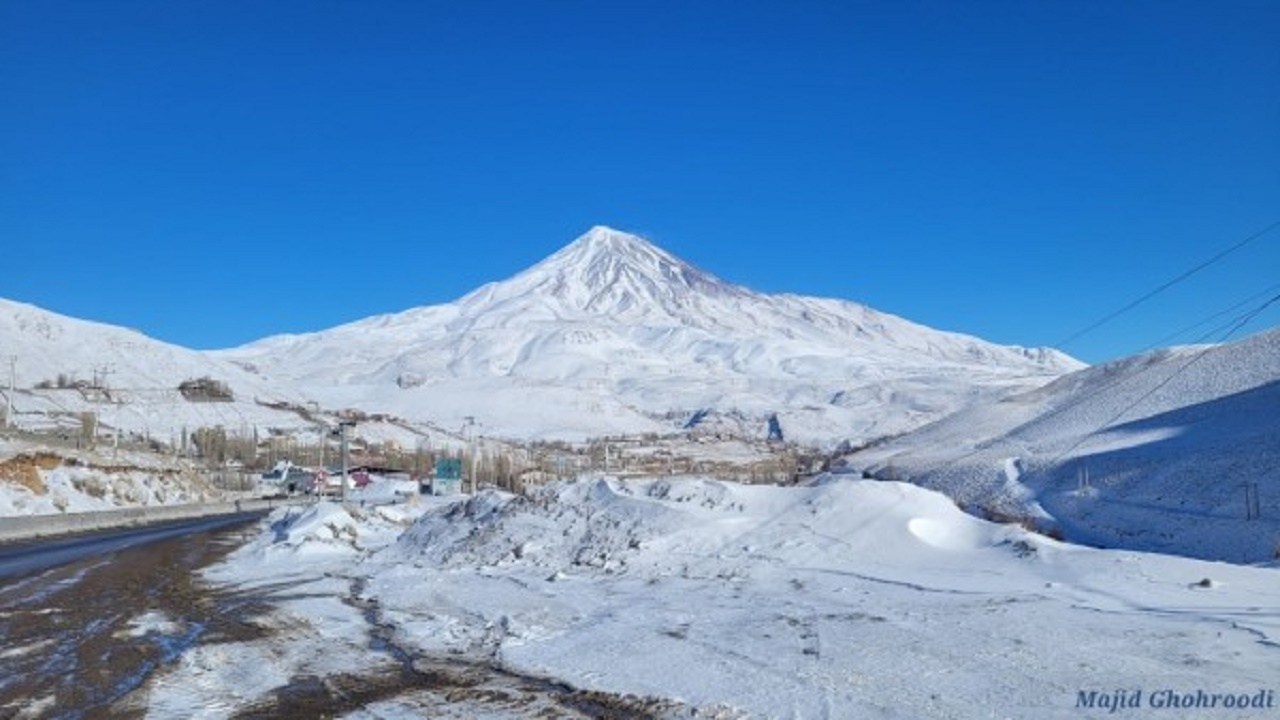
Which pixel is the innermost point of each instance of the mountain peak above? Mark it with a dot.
(605, 235)
(602, 240)
(609, 271)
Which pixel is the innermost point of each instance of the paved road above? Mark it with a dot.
(70, 642)
(26, 557)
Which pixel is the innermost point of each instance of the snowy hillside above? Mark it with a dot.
(64, 367)
(612, 334)
(1151, 452)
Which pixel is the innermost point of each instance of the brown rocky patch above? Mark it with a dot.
(24, 470)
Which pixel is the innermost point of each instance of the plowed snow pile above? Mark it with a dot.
(844, 599)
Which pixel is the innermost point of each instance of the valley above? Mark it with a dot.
(615, 485)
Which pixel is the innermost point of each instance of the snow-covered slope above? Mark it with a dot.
(134, 378)
(1150, 452)
(612, 334)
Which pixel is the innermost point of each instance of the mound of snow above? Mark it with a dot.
(595, 523)
(297, 539)
(325, 523)
(847, 598)
(323, 533)
(656, 527)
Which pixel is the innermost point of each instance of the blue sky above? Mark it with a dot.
(212, 172)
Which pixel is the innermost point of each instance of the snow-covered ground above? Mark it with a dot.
(1151, 452)
(841, 599)
(846, 598)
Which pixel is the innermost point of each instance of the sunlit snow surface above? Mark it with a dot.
(842, 599)
(1150, 452)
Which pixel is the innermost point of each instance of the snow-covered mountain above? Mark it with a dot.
(612, 334)
(1151, 452)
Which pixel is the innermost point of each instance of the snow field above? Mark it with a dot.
(843, 599)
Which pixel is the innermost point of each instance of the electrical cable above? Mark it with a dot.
(1234, 327)
(1135, 303)
(1227, 330)
(1168, 339)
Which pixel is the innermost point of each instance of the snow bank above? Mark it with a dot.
(841, 599)
(297, 539)
(837, 599)
(661, 526)
(300, 539)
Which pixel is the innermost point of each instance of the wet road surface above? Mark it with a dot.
(70, 641)
(24, 557)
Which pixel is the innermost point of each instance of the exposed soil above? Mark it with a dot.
(453, 689)
(24, 470)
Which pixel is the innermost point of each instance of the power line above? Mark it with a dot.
(1235, 326)
(1135, 303)
(1231, 328)
(1205, 321)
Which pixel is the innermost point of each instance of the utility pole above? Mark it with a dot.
(469, 434)
(343, 426)
(1252, 505)
(8, 398)
(100, 377)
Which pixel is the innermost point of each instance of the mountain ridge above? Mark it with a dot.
(603, 253)
(610, 334)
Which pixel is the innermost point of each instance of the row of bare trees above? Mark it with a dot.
(491, 462)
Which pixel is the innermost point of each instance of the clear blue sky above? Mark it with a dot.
(214, 171)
